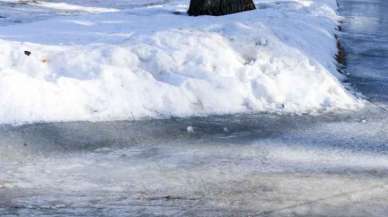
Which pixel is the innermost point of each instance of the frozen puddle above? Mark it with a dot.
(265, 165)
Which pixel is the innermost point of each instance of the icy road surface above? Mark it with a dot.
(240, 165)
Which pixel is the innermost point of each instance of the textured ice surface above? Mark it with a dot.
(266, 165)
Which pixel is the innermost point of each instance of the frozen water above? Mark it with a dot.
(267, 165)
(366, 39)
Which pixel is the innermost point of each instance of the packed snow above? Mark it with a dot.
(106, 61)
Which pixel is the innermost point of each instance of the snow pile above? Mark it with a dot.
(150, 62)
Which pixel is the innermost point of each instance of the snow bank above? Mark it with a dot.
(150, 62)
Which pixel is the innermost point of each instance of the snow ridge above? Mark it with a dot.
(150, 62)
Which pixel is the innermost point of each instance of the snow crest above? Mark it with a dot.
(150, 62)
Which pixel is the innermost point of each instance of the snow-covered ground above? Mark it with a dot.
(106, 60)
(120, 60)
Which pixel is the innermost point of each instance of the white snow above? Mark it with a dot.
(147, 61)
(71, 7)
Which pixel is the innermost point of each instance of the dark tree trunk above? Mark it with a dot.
(219, 7)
